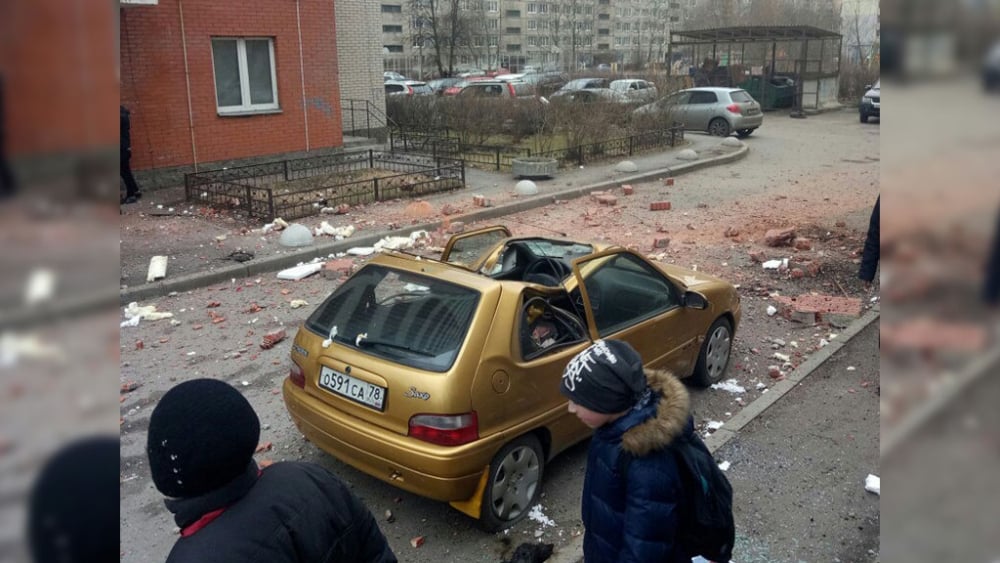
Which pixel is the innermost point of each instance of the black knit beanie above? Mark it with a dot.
(202, 435)
(607, 377)
(72, 513)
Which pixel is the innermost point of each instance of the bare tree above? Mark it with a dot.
(444, 26)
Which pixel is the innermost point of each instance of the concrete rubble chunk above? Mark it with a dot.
(802, 243)
(157, 268)
(780, 237)
(812, 309)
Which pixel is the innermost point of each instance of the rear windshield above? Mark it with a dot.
(740, 96)
(421, 89)
(406, 318)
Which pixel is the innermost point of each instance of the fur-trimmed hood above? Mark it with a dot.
(671, 415)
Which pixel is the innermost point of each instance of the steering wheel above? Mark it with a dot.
(548, 265)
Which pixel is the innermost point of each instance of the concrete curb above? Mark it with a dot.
(280, 262)
(573, 551)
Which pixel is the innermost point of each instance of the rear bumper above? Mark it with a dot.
(869, 109)
(747, 121)
(437, 472)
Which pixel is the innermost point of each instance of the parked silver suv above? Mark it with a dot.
(718, 111)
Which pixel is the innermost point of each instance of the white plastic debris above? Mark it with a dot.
(760, 386)
(329, 339)
(339, 233)
(536, 515)
(276, 225)
(782, 357)
(823, 343)
(134, 313)
(851, 368)
(299, 272)
(724, 466)
(730, 385)
(14, 346)
(771, 310)
(873, 484)
(714, 424)
(40, 287)
(296, 303)
(221, 238)
(157, 268)
(771, 264)
(361, 251)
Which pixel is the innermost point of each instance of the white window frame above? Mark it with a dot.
(492, 5)
(241, 57)
(532, 8)
(532, 25)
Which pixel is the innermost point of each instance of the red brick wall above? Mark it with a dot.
(154, 90)
(58, 67)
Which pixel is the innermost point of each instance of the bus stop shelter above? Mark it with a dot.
(781, 66)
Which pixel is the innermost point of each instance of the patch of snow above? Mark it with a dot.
(730, 385)
(714, 424)
(537, 515)
(724, 466)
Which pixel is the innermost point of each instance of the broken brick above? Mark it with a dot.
(263, 447)
(779, 237)
(802, 243)
(818, 308)
(272, 338)
(627, 189)
(342, 209)
(758, 256)
(731, 232)
(668, 181)
(338, 268)
(797, 273)
(417, 541)
(449, 209)
(129, 386)
(661, 242)
(934, 336)
(456, 227)
(139, 345)
(212, 304)
(607, 199)
(659, 206)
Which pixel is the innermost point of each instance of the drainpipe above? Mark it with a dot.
(187, 82)
(302, 73)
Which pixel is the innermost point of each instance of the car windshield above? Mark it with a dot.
(557, 249)
(876, 86)
(406, 318)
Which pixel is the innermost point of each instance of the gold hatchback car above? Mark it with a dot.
(441, 377)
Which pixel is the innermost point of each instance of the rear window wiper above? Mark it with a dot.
(363, 342)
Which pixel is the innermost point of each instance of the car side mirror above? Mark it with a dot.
(694, 300)
(868, 87)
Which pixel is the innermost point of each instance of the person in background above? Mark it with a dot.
(991, 288)
(870, 254)
(132, 193)
(201, 441)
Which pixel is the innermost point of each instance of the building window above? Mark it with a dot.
(532, 25)
(392, 8)
(532, 8)
(492, 6)
(675, 19)
(513, 13)
(532, 41)
(602, 46)
(513, 31)
(543, 8)
(543, 41)
(245, 78)
(393, 48)
(515, 47)
(392, 29)
(493, 24)
(604, 17)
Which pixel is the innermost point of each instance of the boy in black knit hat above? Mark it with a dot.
(636, 414)
(202, 436)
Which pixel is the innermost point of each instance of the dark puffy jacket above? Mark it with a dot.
(635, 517)
(294, 512)
(870, 255)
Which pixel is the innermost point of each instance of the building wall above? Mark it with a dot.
(359, 48)
(155, 90)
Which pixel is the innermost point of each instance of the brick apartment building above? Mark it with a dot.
(212, 83)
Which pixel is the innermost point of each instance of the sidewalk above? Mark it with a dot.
(163, 224)
(798, 460)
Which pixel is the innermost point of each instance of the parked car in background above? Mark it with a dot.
(498, 89)
(510, 76)
(546, 83)
(578, 84)
(390, 75)
(454, 89)
(439, 85)
(871, 102)
(634, 90)
(441, 377)
(717, 111)
(407, 88)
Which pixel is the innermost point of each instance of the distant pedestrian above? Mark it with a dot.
(132, 193)
(870, 254)
(8, 187)
(201, 441)
(634, 516)
(991, 289)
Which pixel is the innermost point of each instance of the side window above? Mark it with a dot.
(634, 86)
(545, 328)
(625, 291)
(393, 88)
(703, 98)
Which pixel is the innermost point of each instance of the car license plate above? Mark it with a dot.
(353, 388)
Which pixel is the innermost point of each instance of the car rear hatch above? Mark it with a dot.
(388, 347)
(743, 103)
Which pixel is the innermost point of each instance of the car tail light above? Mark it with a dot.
(409, 90)
(510, 87)
(734, 108)
(445, 430)
(296, 375)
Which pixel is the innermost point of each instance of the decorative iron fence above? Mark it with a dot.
(297, 188)
(494, 157)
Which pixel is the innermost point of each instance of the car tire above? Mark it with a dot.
(864, 117)
(719, 127)
(715, 353)
(744, 133)
(515, 482)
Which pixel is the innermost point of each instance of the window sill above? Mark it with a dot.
(246, 112)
